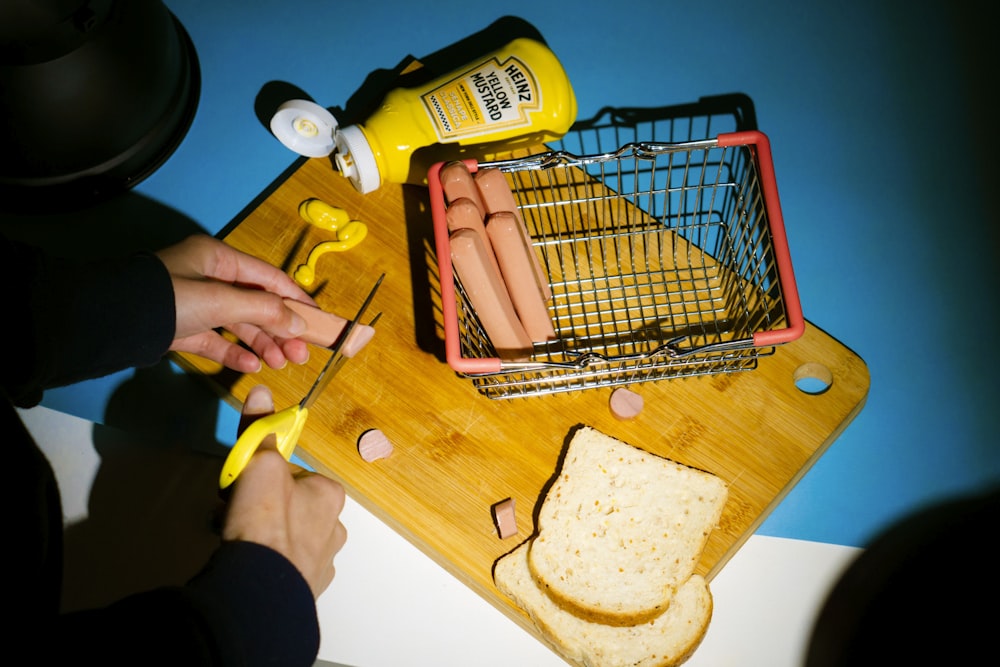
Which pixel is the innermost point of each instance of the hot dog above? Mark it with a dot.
(457, 182)
(488, 296)
(496, 196)
(514, 258)
(323, 328)
(463, 214)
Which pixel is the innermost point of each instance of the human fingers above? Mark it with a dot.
(259, 402)
(297, 515)
(215, 347)
(285, 507)
(326, 499)
(202, 305)
(209, 279)
(202, 256)
(274, 350)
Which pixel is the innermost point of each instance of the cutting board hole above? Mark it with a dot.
(813, 378)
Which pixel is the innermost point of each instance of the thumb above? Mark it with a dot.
(258, 403)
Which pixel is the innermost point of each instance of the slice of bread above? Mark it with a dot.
(621, 529)
(665, 641)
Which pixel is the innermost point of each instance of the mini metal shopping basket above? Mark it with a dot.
(664, 260)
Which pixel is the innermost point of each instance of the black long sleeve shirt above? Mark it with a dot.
(66, 321)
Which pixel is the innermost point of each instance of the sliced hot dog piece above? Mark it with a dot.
(505, 519)
(324, 329)
(496, 196)
(457, 183)
(374, 445)
(464, 214)
(625, 403)
(488, 296)
(514, 258)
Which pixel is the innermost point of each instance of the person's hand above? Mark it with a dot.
(217, 286)
(281, 506)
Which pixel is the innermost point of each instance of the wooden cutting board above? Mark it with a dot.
(457, 452)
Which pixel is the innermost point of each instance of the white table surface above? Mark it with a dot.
(391, 605)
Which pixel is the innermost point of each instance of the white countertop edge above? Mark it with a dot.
(391, 605)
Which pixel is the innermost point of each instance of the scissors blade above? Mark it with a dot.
(337, 359)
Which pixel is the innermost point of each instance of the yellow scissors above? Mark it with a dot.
(288, 423)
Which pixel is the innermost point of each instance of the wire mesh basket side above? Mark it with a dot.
(660, 260)
(613, 127)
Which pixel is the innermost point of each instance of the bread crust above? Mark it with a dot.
(591, 613)
(667, 640)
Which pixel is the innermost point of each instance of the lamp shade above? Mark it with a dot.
(94, 96)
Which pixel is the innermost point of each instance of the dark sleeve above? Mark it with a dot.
(249, 607)
(69, 320)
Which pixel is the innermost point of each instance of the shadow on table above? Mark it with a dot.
(154, 500)
(154, 508)
(152, 517)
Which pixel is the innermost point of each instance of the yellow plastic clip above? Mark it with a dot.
(320, 214)
(349, 233)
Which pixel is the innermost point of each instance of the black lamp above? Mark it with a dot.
(94, 96)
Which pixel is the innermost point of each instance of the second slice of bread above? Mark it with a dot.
(665, 641)
(621, 529)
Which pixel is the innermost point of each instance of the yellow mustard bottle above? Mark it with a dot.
(517, 96)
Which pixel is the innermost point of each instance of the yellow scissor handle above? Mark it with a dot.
(285, 425)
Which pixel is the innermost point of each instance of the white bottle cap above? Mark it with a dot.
(356, 160)
(305, 128)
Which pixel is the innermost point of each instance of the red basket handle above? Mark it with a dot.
(449, 308)
(786, 275)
